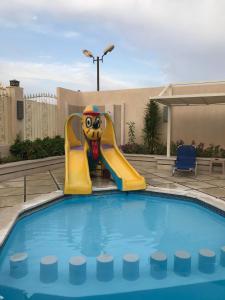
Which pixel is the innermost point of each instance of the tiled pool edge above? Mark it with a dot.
(10, 215)
(210, 201)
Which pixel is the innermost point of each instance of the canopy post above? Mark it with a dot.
(168, 132)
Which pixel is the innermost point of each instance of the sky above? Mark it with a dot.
(156, 42)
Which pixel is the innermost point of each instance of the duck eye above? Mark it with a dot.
(97, 122)
(88, 122)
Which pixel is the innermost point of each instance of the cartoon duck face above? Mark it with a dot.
(91, 123)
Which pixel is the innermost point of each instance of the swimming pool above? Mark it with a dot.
(116, 224)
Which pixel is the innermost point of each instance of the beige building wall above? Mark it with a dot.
(204, 123)
(133, 101)
(200, 123)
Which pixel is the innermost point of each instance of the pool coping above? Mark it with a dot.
(10, 215)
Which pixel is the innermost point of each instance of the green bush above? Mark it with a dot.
(8, 159)
(160, 149)
(134, 148)
(210, 151)
(39, 148)
(53, 146)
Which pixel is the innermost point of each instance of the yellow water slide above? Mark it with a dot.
(77, 176)
(125, 176)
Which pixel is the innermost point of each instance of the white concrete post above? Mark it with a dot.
(77, 269)
(49, 269)
(16, 126)
(123, 123)
(131, 266)
(168, 131)
(105, 267)
(19, 265)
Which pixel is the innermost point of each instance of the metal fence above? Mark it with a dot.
(40, 116)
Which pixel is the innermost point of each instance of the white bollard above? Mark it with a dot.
(49, 269)
(158, 265)
(18, 265)
(105, 267)
(77, 269)
(222, 256)
(131, 266)
(206, 261)
(182, 263)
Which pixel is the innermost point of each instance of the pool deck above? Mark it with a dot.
(44, 187)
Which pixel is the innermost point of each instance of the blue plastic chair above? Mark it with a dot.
(186, 159)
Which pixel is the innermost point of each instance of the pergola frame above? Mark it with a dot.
(185, 100)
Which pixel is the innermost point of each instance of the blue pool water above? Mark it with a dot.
(117, 224)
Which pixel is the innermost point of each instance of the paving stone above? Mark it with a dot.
(58, 171)
(11, 191)
(11, 200)
(40, 183)
(11, 184)
(156, 180)
(59, 178)
(182, 179)
(31, 197)
(16, 179)
(39, 176)
(215, 191)
(162, 173)
(173, 185)
(100, 182)
(218, 182)
(204, 177)
(41, 189)
(217, 176)
(199, 185)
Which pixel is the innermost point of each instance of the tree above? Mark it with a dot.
(151, 125)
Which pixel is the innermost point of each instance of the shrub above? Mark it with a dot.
(160, 149)
(39, 148)
(54, 146)
(8, 159)
(210, 151)
(134, 148)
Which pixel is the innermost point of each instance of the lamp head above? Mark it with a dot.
(108, 49)
(87, 53)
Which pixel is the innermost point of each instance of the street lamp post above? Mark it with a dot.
(98, 59)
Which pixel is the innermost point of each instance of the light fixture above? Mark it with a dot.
(88, 53)
(108, 49)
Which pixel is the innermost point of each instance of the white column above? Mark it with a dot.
(123, 123)
(168, 132)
